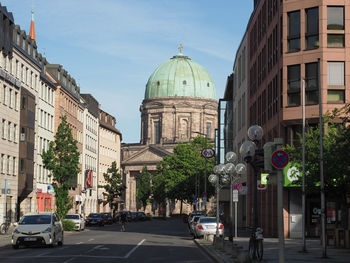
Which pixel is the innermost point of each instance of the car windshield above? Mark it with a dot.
(72, 217)
(94, 215)
(207, 220)
(107, 215)
(36, 220)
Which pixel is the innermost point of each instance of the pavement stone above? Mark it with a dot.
(292, 251)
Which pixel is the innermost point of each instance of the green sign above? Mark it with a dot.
(264, 178)
(292, 173)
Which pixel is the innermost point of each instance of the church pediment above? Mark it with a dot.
(210, 106)
(150, 154)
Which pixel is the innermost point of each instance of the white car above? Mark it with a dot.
(207, 225)
(43, 229)
(78, 221)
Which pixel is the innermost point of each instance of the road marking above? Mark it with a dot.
(133, 250)
(43, 254)
(91, 239)
(79, 243)
(68, 260)
(96, 247)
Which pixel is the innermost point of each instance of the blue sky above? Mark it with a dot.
(111, 47)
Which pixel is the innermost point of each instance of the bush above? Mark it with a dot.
(68, 225)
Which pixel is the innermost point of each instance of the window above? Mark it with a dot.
(16, 97)
(9, 131)
(3, 128)
(208, 130)
(4, 95)
(335, 26)
(335, 73)
(294, 31)
(311, 35)
(21, 165)
(8, 164)
(23, 103)
(2, 163)
(14, 132)
(156, 132)
(10, 98)
(14, 165)
(336, 82)
(311, 79)
(293, 88)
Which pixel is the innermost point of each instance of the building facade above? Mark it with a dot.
(90, 154)
(109, 139)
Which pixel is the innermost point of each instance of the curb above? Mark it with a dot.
(207, 252)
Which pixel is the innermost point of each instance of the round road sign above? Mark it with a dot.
(208, 153)
(279, 159)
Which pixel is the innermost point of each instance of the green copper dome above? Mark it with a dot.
(180, 76)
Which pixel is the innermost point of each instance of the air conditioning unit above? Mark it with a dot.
(8, 191)
(23, 137)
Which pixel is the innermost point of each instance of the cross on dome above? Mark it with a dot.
(180, 48)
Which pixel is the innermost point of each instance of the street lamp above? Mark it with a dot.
(234, 173)
(249, 152)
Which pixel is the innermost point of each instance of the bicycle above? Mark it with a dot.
(4, 228)
(256, 249)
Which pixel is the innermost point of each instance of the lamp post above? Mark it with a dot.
(249, 152)
(234, 172)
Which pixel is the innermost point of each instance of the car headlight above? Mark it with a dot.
(47, 230)
(15, 231)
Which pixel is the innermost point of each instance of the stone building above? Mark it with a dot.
(109, 139)
(179, 104)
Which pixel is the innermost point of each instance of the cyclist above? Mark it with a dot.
(122, 220)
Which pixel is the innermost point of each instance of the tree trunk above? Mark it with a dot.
(181, 208)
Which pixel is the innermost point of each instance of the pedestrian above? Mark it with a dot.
(122, 220)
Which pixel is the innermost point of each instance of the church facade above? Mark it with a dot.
(179, 104)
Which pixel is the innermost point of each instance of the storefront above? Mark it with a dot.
(45, 198)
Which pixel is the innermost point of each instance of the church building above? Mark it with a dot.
(179, 104)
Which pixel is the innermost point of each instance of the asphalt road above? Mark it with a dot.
(150, 241)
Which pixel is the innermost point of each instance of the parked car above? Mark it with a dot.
(108, 218)
(195, 213)
(141, 216)
(193, 224)
(134, 216)
(95, 219)
(78, 221)
(43, 229)
(207, 225)
(128, 215)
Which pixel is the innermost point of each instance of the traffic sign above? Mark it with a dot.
(235, 186)
(235, 196)
(260, 186)
(208, 153)
(279, 159)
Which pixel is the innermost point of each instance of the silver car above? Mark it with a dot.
(38, 229)
(207, 225)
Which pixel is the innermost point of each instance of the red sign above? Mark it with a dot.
(88, 179)
(260, 186)
(279, 159)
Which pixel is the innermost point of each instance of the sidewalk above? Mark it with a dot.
(5, 240)
(292, 251)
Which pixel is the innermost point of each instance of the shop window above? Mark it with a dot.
(293, 89)
(294, 31)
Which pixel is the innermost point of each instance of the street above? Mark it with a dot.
(149, 241)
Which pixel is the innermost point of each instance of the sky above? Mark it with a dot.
(111, 47)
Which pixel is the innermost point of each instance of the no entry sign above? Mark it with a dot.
(279, 159)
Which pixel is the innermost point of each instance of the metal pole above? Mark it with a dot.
(279, 142)
(323, 208)
(303, 173)
(236, 219)
(231, 208)
(217, 207)
(255, 198)
(205, 187)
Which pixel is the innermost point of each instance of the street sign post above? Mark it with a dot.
(208, 153)
(279, 159)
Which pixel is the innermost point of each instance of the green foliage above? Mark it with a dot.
(336, 145)
(114, 184)
(68, 225)
(176, 173)
(62, 160)
(144, 188)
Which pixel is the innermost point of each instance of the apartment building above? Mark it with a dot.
(67, 102)
(45, 197)
(10, 88)
(290, 43)
(90, 154)
(109, 151)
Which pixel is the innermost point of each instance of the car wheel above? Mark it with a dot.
(15, 246)
(60, 243)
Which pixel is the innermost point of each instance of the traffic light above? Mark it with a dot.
(269, 149)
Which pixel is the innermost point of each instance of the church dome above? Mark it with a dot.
(180, 76)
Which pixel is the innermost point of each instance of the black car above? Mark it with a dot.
(141, 216)
(95, 219)
(108, 218)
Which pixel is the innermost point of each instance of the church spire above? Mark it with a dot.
(32, 29)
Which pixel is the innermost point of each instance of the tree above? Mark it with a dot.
(114, 184)
(62, 160)
(176, 174)
(336, 156)
(144, 188)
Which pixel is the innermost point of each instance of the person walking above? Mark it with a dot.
(122, 220)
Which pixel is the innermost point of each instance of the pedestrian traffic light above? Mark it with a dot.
(269, 149)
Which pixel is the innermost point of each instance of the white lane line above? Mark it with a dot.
(91, 239)
(96, 247)
(79, 243)
(68, 260)
(43, 254)
(133, 250)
